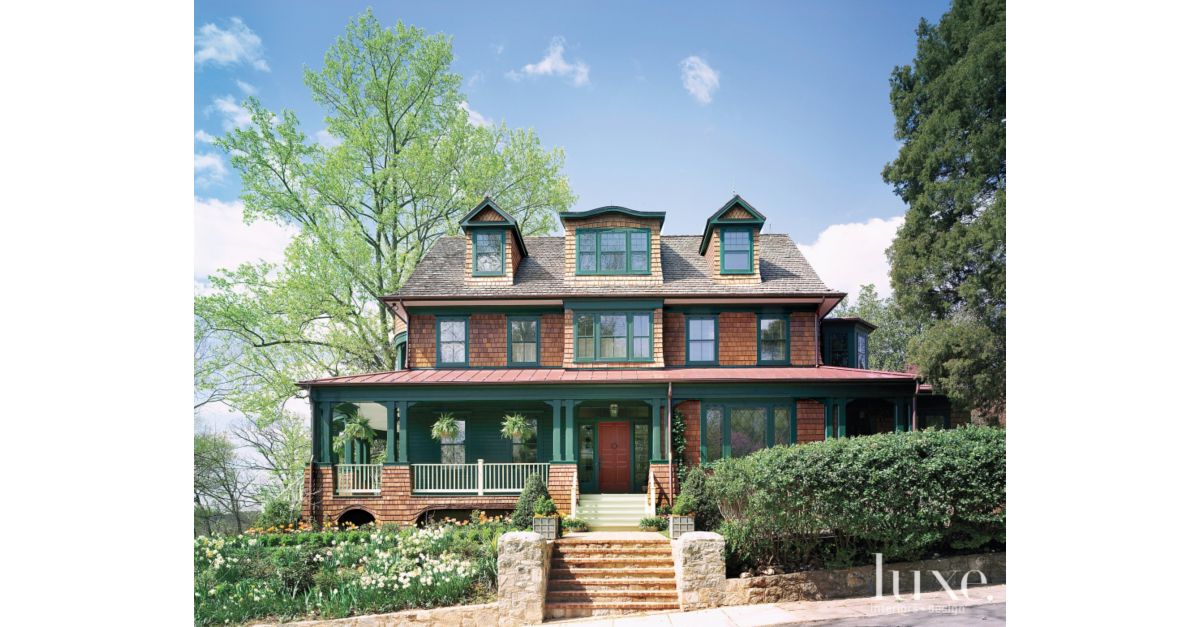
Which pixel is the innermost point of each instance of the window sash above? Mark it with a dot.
(702, 340)
(452, 341)
(735, 429)
(773, 339)
(489, 252)
(523, 340)
(737, 251)
(454, 450)
(524, 450)
(612, 251)
(614, 337)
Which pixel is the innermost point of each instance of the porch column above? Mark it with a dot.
(556, 428)
(656, 455)
(898, 415)
(397, 433)
(570, 432)
(841, 426)
(326, 434)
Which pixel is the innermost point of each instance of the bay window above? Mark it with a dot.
(612, 251)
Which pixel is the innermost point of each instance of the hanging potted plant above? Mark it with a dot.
(355, 429)
(683, 515)
(516, 427)
(445, 428)
(545, 519)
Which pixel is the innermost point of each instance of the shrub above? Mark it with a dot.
(695, 485)
(574, 523)
(655, 522)
(837, 502)
(278, 512)
(535, 489)
(545, 508)
(685, 505)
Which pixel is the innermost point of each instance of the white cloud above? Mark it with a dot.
(235, 46)
(553, 64)
(474, 118)
(847, 256)
(204, 137)
(327, 139)
(498, 48)
(235, 115)
(246, 88)
(209, 169)
(699, 79)
(224, 240)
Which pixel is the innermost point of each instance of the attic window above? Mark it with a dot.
(489, 253)
(737, 251)
(612, 251)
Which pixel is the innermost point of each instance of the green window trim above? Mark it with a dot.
(475, 235)
(595, 252)
(596, 338)
(466, 341)
(716, 340)
(726, 230)
(769, 405)
(537, 333)
(787, 339)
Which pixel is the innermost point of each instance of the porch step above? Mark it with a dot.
(611, 512)
(602, 583)
(605, 608)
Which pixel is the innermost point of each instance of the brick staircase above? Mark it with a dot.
(602, 574)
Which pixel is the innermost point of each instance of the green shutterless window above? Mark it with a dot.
(452, 345)
(614, 337)
(523, 340)
(612, 251)
(737, 251)
(488, 251)
(701, 340)
(773, 341)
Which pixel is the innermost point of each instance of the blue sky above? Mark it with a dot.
(788, 106)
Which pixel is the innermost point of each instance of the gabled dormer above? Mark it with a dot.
(612, 246)
(494, 245)
(730, 244)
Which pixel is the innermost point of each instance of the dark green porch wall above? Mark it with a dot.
(483, 439)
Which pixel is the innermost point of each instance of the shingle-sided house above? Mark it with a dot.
(600, 338)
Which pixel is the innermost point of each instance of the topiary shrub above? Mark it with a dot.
(695, 486)
(535, 489)
(837, 502)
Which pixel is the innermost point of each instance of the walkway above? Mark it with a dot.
(986, 604)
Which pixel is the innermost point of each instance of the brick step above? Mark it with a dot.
(611, 596)
(599, 583)
(592, 544)
(617, 549)
(664, 561)
(600, 608)
(577, 572)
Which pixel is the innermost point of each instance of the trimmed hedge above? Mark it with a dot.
(837, 502)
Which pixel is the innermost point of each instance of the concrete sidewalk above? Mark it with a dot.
(867, 611)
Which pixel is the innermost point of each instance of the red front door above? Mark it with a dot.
(614, 456)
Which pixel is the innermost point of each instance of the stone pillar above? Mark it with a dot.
(522, 572)
(699, 570)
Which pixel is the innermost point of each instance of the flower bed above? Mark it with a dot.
(302, 573)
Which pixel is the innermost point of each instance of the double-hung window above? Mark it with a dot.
(454, 450)
(523, 341)
(772, 339)
(737, 251)
(524, 447)
(612, 251)
(613, 337)
(489, 252)
(452, 341)
(736, 429)
(702, 340)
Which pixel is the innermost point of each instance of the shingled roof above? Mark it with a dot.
(783, 268)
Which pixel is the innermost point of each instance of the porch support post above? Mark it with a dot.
(326, 434)
(656, 455)
(570, 432)
(556, 424)
(841, 425)
(389, 454)
(401, 443)
(829, 405)
(898, 414)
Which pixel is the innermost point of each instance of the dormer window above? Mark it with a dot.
(737, 251)
(612, 251)
(489, 252)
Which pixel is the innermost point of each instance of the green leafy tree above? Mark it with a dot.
(889, 341)
(405, 166)
(222, 486)
(948, 259)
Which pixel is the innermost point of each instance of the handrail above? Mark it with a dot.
(651, 497)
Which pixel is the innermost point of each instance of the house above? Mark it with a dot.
(600, 338)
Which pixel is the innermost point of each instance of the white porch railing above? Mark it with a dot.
(478, 478)
(358, 478)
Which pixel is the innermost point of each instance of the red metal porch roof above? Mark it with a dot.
(492, 376)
